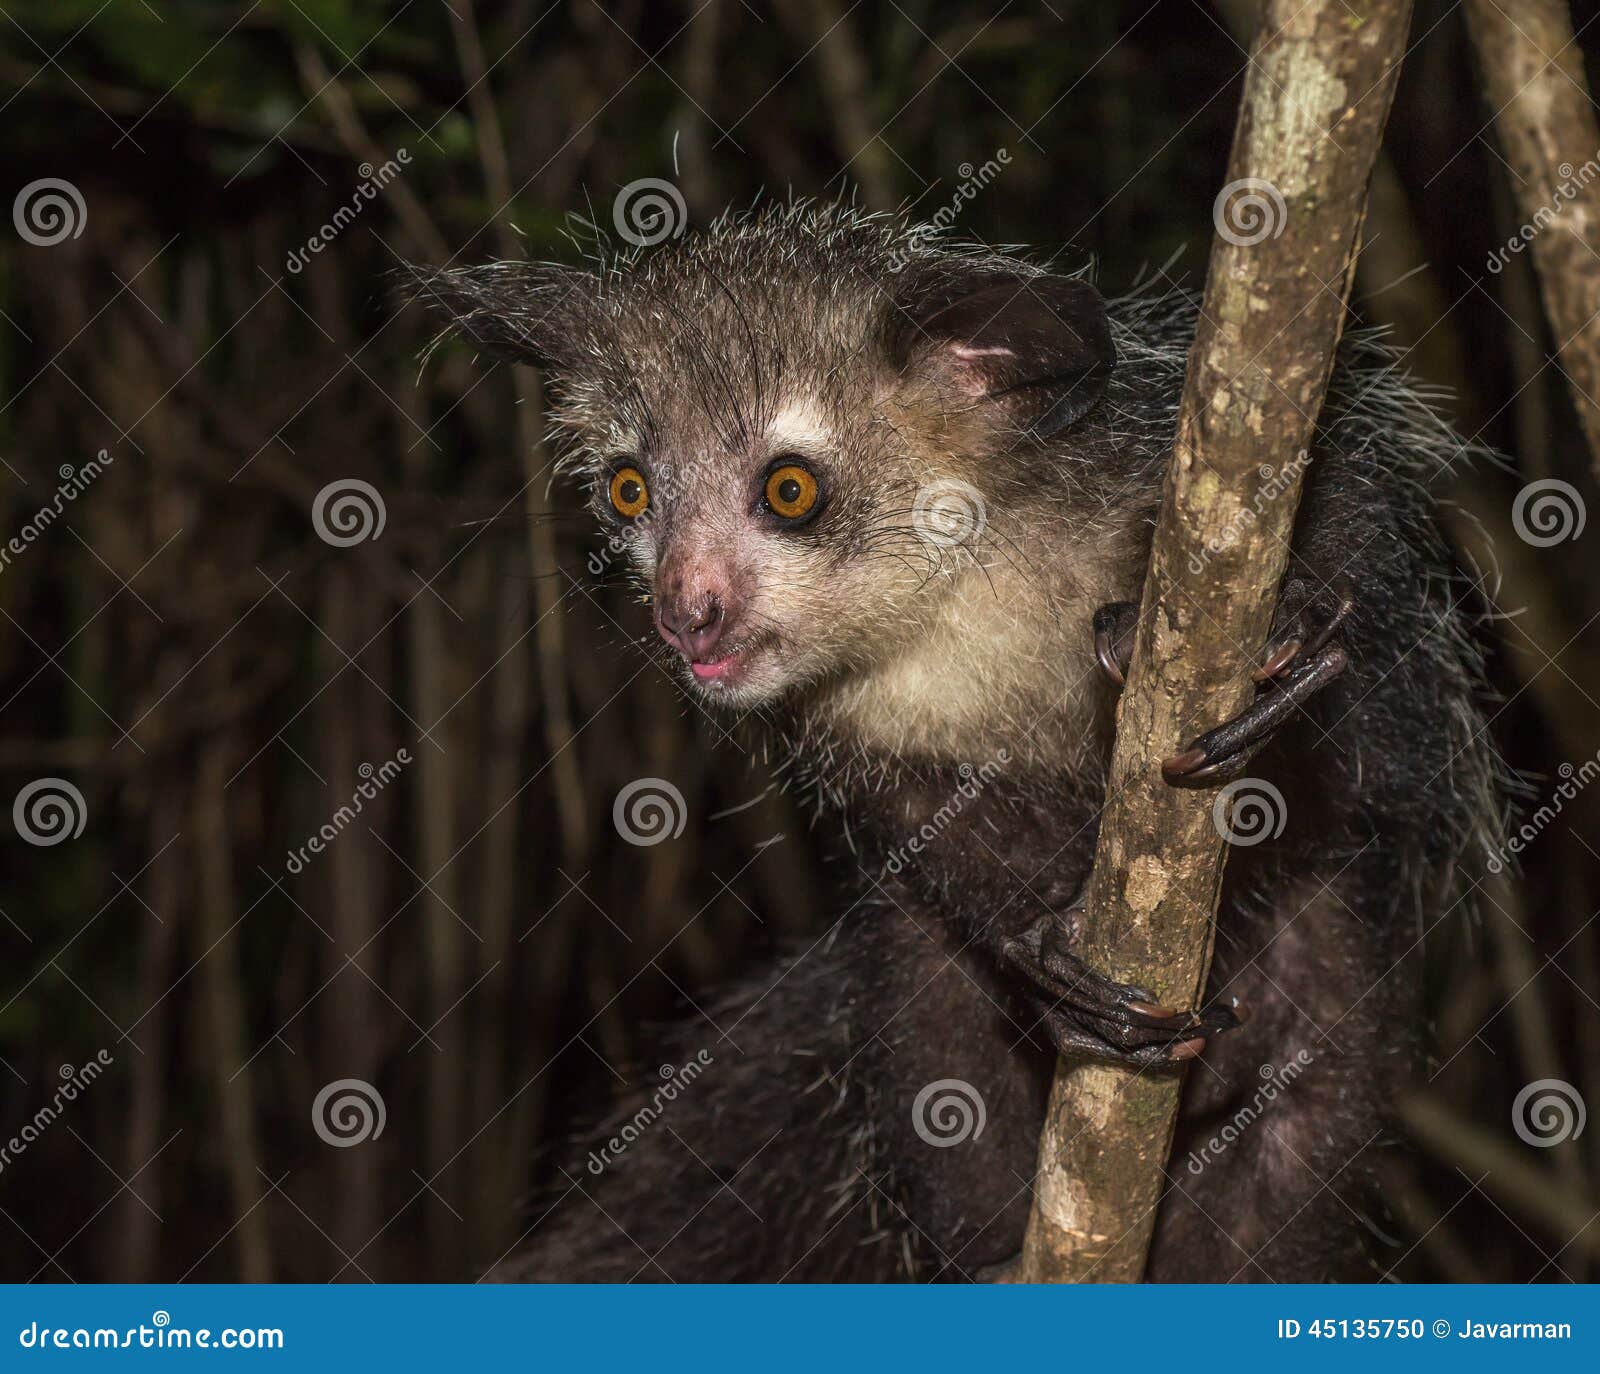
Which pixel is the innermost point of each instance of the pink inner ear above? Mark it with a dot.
(965, 351)
(970, 359)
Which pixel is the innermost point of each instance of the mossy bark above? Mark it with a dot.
(1316, 98)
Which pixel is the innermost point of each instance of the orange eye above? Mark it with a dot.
(791, 491)
(629, 495)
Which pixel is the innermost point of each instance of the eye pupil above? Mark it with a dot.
(791, 492)
(629, 495)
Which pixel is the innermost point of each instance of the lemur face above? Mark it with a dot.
(800, 431)
(773, 556)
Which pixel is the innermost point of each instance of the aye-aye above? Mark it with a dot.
(894, 498)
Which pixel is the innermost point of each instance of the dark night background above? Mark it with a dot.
(210, 675)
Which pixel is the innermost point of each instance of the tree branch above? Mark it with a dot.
(1533, 72)
(1317, 95)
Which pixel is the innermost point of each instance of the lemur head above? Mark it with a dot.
(804, 428)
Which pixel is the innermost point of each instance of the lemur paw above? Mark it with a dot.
(1092, 1016)
(1303, 655)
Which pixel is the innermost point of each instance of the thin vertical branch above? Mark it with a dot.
(504, 741)
(829, 31)
(1316, 97)
(549, 628)
(442, 774)
(350, 1041)
(147, 1108)
(223, 1003)
(1533, 72)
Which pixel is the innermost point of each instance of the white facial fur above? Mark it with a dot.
(911, 647)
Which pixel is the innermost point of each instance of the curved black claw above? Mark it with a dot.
(1114, 626)
(1308, 616)
(1303, 656)
(1221, 754)
(1093, 1016)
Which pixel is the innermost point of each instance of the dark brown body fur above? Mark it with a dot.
(806, 1115)
(797, 1154)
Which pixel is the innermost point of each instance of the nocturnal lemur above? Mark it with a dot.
(894, 496)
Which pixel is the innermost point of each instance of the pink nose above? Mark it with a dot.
(692, 625)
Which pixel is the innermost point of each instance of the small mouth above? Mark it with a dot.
(724, 669)
(716, 669)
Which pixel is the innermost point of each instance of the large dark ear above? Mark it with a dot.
(538, 313)
(1039, 347)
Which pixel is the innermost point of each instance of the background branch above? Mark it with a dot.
(1533, 74)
